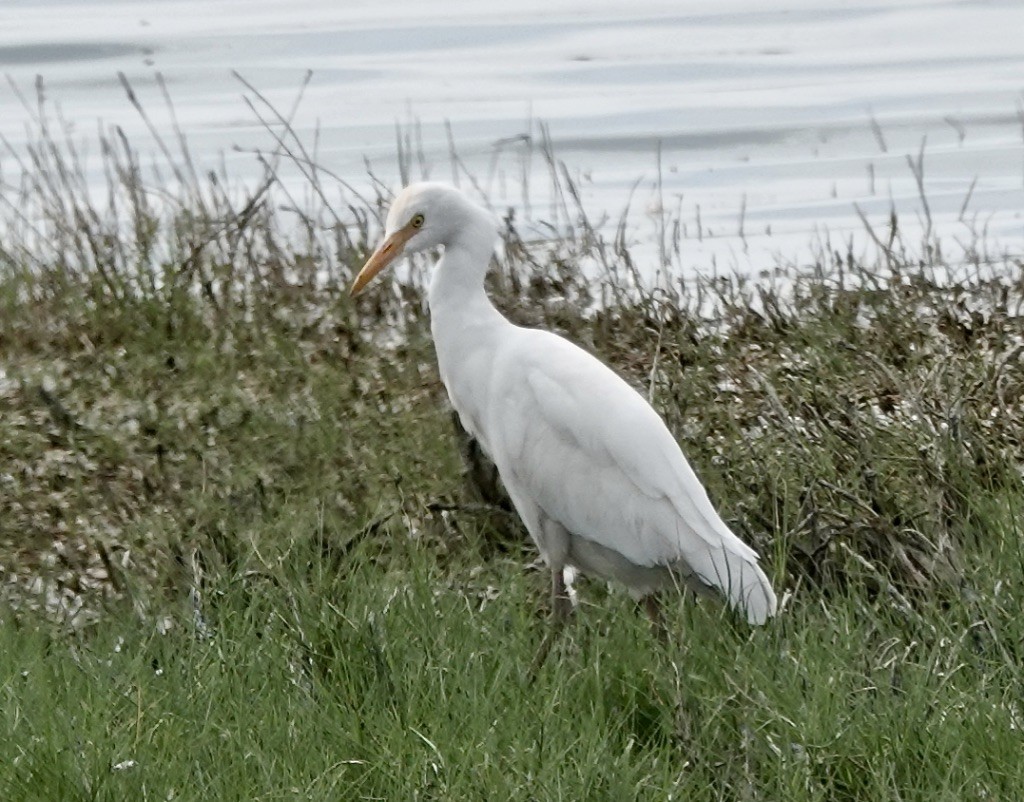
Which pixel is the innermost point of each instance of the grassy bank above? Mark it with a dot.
(242, 558)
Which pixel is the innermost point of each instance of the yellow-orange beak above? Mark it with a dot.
(388, 251)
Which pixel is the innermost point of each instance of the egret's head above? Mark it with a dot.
(422, 216)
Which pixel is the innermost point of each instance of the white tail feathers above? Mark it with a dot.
(739, 578)
(756, 598)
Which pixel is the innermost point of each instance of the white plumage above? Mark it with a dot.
(591, 468)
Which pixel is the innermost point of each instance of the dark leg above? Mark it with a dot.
(561, 609)
(561, 604)
(652, 606)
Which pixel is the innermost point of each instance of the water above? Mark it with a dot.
(757, 130)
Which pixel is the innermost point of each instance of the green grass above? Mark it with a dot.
(364, 683)
(242, 558)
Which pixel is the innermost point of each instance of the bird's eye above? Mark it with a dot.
(417, 221)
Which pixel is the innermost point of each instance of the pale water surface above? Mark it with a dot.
(692, 111)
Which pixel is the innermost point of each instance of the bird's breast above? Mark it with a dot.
(468, 381)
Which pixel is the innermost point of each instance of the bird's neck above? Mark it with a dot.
(457, 298)
(466, 327)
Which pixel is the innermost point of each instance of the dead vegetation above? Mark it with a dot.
(184, 385)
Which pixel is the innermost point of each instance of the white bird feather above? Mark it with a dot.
(591, 468)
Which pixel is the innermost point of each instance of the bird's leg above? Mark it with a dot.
(652, 606)
(561, 604)
(561, 609)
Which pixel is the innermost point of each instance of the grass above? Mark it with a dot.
(312, 684)
(243, 556)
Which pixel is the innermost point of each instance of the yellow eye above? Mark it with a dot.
(417, 221)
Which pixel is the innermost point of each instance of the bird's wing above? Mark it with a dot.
(594, 455)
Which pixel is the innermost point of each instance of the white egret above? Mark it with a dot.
(591, 468)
